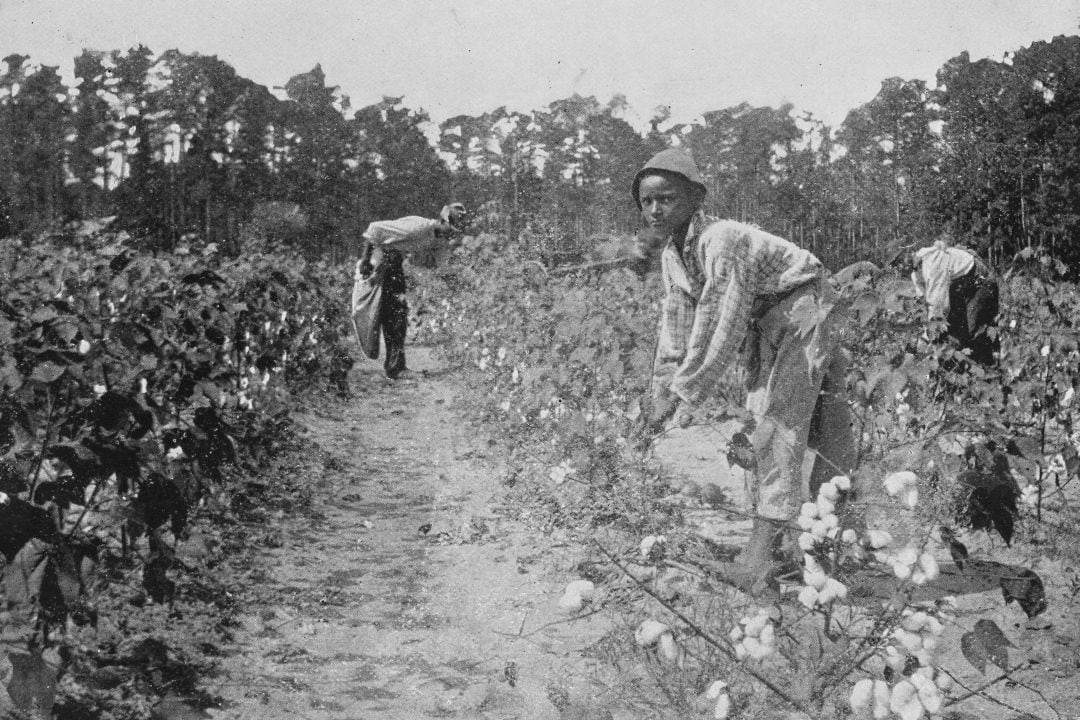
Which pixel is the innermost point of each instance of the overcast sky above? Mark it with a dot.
(469, 56)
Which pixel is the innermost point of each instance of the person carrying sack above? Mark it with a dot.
(378, 301)
(734, 291)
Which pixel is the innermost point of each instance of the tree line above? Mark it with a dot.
(178, 145)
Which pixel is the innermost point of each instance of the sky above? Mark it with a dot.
(470, 56)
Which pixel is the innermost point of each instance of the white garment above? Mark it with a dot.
(939, 265)
(407, 234)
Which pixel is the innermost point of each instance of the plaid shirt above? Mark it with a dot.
(711, 290)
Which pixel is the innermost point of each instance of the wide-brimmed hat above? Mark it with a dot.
(673, 160)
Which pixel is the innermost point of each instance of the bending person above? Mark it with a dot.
(959, 289)
(730, 286)
(387, 241)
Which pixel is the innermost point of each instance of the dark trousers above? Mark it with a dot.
(973, 310)
(394, 314)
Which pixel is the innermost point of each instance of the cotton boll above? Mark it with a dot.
(571, 602)
(649, 632)
(815, 579)
(908, 556)
(894, 659)
(904, 701)
(897, 482)
(652, 546)
(901, 570)
(805, 522)
(943, 681)
(878, 539)
(862, 695)
(736, 634)
(715, 690)
(667, 648)
(849, 536)
(881, 699)
(928, 564)
(768, 635)
(918, 577)
(807, 541)
(910, 497)
(723, 707)
(842, 482)
(808, 596)
(833, 590)
(930, 697)
(756, 624)
(825, 506)
(828, 491)
(912, 642)
(584, 588)
(915, 622)
(820, 530)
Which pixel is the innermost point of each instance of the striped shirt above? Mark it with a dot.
(710, 293)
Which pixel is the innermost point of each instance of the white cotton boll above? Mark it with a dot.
(915, 622)
(862, 695)
(584, 588)
(882, 695)
(723, 707)
(934, 626)
(943, 681)
(84, 347)
(825, 507)
(831, 521)
(894, 659)
(908, 555)
(829, 492)
(814, 579)
(930, 697)
(805, 522)
(667, 648)
(807, 541)
(911, 497)
(928, 564)
(652, 545)
(768, 635)
(897, 482)
(1067, 398)
(1045, 351)
(649, 632)
(736, 634)
(756, 624)
(100, 390)
(918, 577)
(912, 642)
(741, 652)
(904, 700)
(715, 690)
(901, 570)
(834, 589)
(809, 510)
(849, 536)
(820, 530)
(808, 596)
(842, 482)
(929, 643)
(571, 603)
(878, 539)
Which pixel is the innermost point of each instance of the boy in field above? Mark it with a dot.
(734, 290)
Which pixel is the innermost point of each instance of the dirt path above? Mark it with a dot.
(404, 594)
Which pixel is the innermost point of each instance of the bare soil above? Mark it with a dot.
(404, 593)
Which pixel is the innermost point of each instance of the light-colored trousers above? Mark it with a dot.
(796, 395)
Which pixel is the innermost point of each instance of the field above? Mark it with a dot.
(206, 500)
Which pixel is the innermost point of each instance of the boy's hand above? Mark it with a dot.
(656, 411)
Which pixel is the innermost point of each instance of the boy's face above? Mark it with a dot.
(666, 203)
